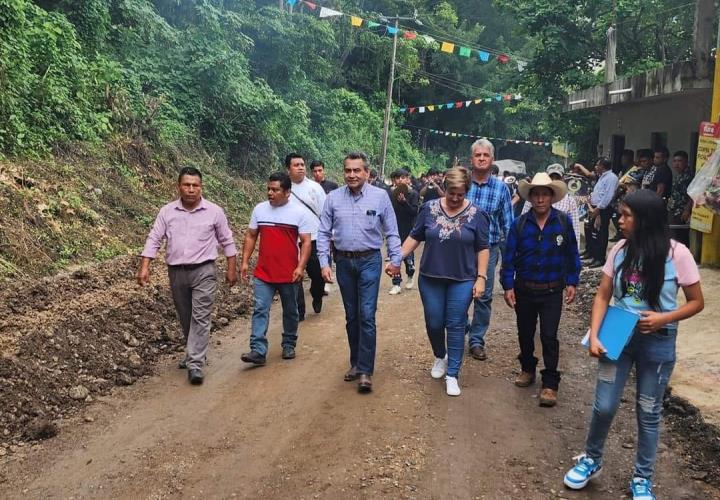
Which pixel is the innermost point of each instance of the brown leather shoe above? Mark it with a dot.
(548, 397)
(351, 375)
(478, 352)
(365, 383)
(525, 379)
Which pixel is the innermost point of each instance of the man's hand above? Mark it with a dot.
(231, 276)
(685, 216)
(570, 292)
(143, 276)
(297, 274)
(326, 273)
(392, 271)
(596, 220)
(244, 272)
(401, 198)
(651, 321)
(478, 288)
(595, 212)
(597, 350)
(509, 297)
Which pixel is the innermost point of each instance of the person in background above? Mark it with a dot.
(491, 196)
(374, 180)
(355, 218)
(279, 224)
(540, 261)
(317, 167)
(598, 224)
(659, 177)
(450, 226)
(405, 202)
(494, 170)
(631, 180)
(309, 196)
(566, 204)
(643, 274)
(626, 163)
(432, 190)
(194, 228)
(680, 205)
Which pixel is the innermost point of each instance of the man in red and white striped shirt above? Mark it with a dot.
(280, 267)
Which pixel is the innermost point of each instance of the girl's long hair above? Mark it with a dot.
(647, 248)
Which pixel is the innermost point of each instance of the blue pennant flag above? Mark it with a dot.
(484, 56)
(392, 30)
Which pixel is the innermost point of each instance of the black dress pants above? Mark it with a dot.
(596, 240)
(530, 305)
(317, 284)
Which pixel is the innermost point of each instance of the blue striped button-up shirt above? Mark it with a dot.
(493, 197)
(357, 222)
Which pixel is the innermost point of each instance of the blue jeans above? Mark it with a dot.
(359, 282)
(409, 269)
(483, 306)
(264, 293)
(446, 303)
(654, 358)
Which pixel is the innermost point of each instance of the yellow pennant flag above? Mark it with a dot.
(431, 107)
(356, 21)
(478, 101)
(447, 47)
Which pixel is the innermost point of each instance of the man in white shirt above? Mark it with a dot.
(596, 229)
(310, 196)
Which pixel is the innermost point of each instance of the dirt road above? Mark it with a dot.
(294, 429)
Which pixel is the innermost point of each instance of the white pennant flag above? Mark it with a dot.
(421, 109)
(428, 39)
(468, 103)
(325, 12)
(521, 65)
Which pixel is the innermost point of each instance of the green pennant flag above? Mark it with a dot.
(464, 51)
(372, 24)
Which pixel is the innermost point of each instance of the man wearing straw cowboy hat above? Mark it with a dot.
(540, 261)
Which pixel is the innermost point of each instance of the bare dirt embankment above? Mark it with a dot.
(295, 429)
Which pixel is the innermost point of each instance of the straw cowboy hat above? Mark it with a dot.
(541, 179)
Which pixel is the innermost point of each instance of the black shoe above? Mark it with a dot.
(596, 263)
(253, 357)
(301, 317)
(478, 352)
(288, 352)
(317, 306)
(195, 376)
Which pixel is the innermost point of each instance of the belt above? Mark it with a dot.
(190, 267)
(355, 255)
(540, 285)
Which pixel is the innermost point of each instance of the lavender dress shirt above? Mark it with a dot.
(356, 223)
(192, 236)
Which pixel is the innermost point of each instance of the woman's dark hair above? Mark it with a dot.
(282, 178)
(647, 247)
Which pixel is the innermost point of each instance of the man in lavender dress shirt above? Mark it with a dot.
(354, 218)
(194, 229)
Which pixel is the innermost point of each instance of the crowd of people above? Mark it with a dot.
(469, 221)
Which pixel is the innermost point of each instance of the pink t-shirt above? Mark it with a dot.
(680, 271)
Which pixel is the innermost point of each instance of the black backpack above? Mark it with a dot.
(562, 217)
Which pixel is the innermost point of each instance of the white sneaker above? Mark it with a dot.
(328, 287)
(395, 290)
(410, 284)
(439, 367)
(451, 386)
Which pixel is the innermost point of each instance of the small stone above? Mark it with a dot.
(3, 452)
(123, 378)
(223, 321)
(88, 418)
(78, 392)
(699, 475)
(628, 445)
(135, 360)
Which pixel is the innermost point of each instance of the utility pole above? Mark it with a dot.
(388, 101)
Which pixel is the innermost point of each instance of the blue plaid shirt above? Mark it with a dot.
(541, 255)
(493, 198)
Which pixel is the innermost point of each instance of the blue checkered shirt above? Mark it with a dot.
(540, 255)
(493, 197)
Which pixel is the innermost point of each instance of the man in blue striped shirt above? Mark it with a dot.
(540, 260)
(354, 219)
(492, 196)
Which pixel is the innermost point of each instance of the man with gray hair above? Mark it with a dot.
(490, 195)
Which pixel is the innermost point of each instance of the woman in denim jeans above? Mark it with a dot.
(642, 274)
(452, 270)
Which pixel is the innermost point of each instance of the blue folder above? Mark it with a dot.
(615, 331)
